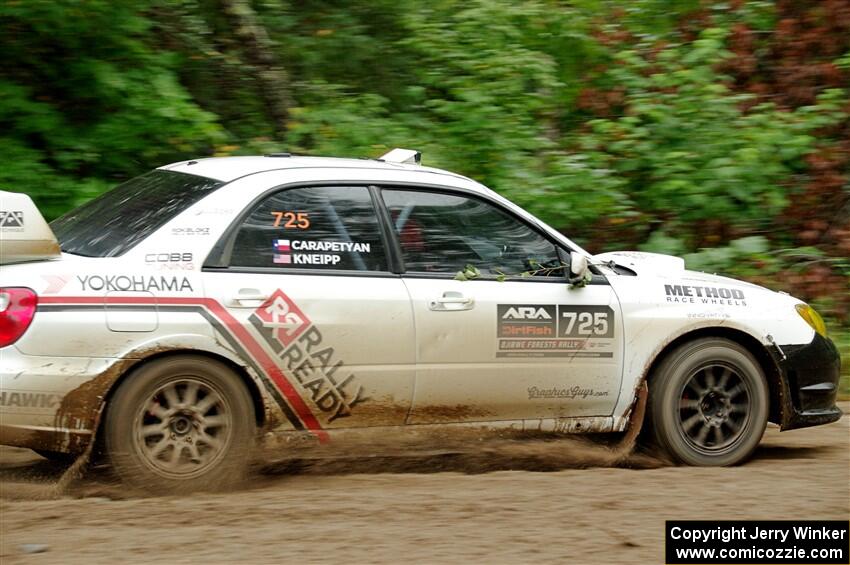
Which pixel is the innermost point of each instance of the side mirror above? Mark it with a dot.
(579, 273)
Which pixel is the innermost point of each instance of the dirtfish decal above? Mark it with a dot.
(554, 330)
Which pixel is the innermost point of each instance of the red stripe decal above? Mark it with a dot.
(271, 368)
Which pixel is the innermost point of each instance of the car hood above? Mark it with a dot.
(665, 266)
(640, 261)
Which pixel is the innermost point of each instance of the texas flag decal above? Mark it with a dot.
(281, 245)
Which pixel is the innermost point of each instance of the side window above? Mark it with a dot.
(312, 228)
(443, 233)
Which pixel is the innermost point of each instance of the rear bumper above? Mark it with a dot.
(51, 403)
(810, 374)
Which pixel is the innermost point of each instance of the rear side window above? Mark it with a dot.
(323, 227)
(111, 224)
(444, 233)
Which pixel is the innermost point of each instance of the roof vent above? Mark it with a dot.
(279, 155)
(403, 156)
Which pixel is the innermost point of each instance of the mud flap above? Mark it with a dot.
(78, 468)
(627, 444)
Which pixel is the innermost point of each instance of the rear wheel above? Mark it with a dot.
(180, 424)
(708, 403)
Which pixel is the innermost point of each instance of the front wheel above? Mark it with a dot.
(180, 424)
(708, 403)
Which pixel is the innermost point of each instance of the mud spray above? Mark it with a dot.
(474, 452)
(24, 476)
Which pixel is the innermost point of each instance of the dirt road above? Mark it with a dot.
(427, 509)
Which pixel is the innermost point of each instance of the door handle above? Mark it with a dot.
(451, 302)
(248, 298)
(458, 300)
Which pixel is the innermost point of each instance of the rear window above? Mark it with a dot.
(115, 221)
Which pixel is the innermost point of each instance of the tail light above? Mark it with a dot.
(17, 309)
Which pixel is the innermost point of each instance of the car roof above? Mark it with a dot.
(231, 168)
(228, 169)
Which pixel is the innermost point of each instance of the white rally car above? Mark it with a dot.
(211, 303)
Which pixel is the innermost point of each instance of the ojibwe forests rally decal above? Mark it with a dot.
(550, 330)
(300, 349)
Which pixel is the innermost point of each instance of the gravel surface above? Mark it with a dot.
(510, 503)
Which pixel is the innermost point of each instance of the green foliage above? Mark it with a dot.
(470, 272)
(747, 256)
(88, 100)
(658, 124)
(684, 150)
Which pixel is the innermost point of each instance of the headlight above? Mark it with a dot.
(812, 318)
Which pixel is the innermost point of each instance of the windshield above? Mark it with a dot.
(111, 224)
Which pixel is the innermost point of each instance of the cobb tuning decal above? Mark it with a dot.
(300, 348)
(549, 330)
(170, 261)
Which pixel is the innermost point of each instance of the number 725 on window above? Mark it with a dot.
(292, 220)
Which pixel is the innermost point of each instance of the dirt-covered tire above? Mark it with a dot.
(180, 424)
(708, 403)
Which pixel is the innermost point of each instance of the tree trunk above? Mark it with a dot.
(259, 52)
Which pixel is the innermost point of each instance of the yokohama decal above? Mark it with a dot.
(293, 405)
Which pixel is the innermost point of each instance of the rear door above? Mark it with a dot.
(304, 276)
(514, 341)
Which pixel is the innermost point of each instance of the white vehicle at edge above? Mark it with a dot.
(212, 303)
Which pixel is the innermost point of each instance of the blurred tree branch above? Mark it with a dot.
(260, 54)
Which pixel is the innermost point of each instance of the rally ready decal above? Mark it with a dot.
(548, 330)
(300, 348)
(237, 335)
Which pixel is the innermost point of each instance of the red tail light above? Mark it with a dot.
(17, 309)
